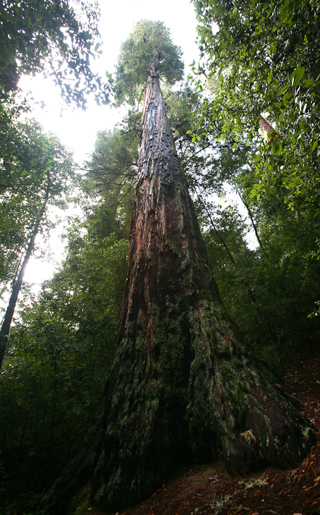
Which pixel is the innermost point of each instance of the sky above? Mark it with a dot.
(77, 129)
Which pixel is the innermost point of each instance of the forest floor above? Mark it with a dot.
(209, 489)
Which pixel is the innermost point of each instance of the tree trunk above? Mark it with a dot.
(265, 125)
(252, 222)
(182, 387)
(219, 237)
(6, 324)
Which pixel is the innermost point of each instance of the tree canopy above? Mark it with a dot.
(148, 50)
(263, 60)
(259, 81)
(56, 37)
(31, 160)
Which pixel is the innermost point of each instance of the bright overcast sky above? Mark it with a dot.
(77, 129)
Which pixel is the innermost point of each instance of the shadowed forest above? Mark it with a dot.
(171, 364)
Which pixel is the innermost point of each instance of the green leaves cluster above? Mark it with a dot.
(59, 354)
(112, 169)
(264, 60)
(33, 166)
(56, 37)
(260, 67)
(147, 51)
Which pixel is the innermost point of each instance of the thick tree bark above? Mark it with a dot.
(182, 386)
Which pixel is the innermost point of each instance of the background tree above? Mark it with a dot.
(57, 356)
(261, 66)
(36, 172)
(254, 63)
(112, 169)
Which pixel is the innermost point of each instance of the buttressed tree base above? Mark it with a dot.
(183, 387)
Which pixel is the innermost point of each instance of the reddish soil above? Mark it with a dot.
(208, 489)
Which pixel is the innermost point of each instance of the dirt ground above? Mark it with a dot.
(208, 489)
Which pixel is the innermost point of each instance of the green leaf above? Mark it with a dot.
(314, 146)
(284, 89)
(297, 75)
(278, 148)
(309, 82)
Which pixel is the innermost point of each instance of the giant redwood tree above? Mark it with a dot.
(183, 387)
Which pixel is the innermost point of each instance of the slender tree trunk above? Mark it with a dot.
(232, 259)
(252, 222)
(264, 124)
(182, 386)
(5, 328)
(219, 237)
(274, 135)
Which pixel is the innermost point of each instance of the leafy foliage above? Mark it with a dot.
(59, 355)
(148, 50)
(264, 60)
(260, 68)
(112, 169)
(30, 159)
(53, 37)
